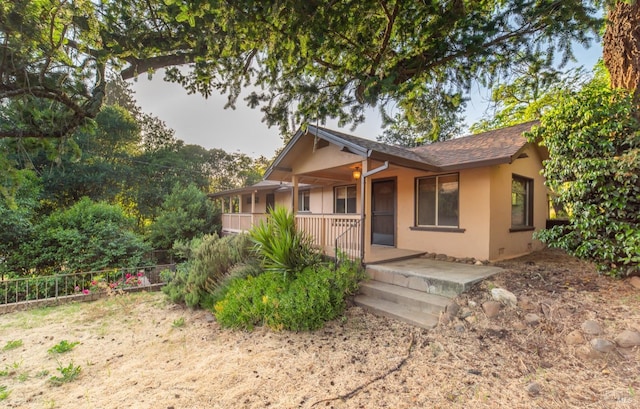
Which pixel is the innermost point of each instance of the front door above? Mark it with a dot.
(270, 202)
(383, 212)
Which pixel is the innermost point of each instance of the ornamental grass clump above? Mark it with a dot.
(280, 246)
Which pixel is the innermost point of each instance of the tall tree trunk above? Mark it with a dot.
(621, 46)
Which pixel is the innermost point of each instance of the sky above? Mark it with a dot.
(205, 122)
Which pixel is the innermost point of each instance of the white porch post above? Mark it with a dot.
(365, 169)
(294, 199)
(239, 203)
(253, 206)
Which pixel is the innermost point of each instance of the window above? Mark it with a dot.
(437, 201)
(304, 200)
(521, 202)
(345, 199)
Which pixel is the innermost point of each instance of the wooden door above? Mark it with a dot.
(383, 212)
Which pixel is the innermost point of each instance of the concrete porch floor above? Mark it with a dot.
(385, 254)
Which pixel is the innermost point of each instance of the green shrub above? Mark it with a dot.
(209, 265)
(306, 302)
(251, 267)
(593, 138)
(281, 246)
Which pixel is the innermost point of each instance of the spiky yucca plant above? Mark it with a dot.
(281, 246)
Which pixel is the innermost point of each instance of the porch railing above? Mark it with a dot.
(240, 222)
(328, 231)
(331, 230)
(348, 244)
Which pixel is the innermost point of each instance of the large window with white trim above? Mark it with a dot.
(437, 201)
(345, 199)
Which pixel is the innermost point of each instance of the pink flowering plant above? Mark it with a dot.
(113, 282)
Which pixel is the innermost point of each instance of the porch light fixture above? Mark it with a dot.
(356, 173)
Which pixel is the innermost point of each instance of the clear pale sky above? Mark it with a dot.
(204, 122)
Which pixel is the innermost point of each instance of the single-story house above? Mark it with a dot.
(479, 196)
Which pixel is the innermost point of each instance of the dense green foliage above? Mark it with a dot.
(316, 295)
(281, 246)
(593, 137)
(186, 213)
(88, 236)
(532, 92)
(211, 261)
(310, 60)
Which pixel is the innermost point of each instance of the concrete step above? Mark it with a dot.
(416, 281)
(397, 311)
(411, 299)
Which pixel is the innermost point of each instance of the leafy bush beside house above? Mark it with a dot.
(593, 138)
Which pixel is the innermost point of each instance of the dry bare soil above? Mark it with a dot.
(138, 351)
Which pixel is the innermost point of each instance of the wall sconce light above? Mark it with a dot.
(356, 173)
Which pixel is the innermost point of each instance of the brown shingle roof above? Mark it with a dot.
(487, 148)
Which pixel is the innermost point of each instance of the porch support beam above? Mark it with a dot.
(294, 196)
(253, 207)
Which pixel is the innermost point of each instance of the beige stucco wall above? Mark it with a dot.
(505, 244)
(473, 215)
(307, 159)
(484, 213)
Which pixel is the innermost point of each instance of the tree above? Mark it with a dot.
(186, 213)
(533, 90)
(436, 118)
(309, 60)
(593, 138)
(17, 215)
(621, 45)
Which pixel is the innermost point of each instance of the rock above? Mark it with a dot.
(478, 263)
(452, 308)
(586, 353)
(534, 389)
(602, 345)
(591, 327)
(491, 308)
(472, 304)
(471, 319)
(459, 327)
(209, 317)
(519, 326)
(628, 339)
(532, 319)
(445, 319)
(635, 282)
(527, 305)
(504, 296)
(574, 338)
(466, 313)
(441, 257)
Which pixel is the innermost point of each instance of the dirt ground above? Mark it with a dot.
(138, 351)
